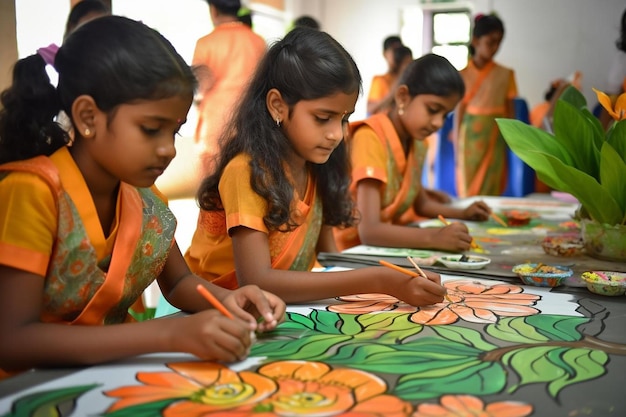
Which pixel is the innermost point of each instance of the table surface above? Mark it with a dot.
(495, 344)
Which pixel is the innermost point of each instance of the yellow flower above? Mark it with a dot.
(619, 111)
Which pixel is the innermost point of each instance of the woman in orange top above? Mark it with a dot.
(481, 153)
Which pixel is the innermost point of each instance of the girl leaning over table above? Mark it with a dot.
(282, 179)
(387, 152)
(83, 231)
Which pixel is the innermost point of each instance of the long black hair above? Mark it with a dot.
(484, 25)
(306, 64)
(113, 59)
(432, 74)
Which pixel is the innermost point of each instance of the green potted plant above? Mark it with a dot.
(584, 160)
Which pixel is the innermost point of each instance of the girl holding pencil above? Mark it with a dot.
(386, 153)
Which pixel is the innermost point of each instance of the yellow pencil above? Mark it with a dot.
(398, 268)
(214, 301)
(443, 220)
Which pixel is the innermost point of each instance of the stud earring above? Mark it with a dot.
(278, 121)
(87, 132)
(401, 110)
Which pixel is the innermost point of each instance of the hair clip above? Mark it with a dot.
(48, 53)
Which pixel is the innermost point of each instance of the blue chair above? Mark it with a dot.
(443, 165)
(521, 179)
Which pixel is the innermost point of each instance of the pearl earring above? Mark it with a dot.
(87, 132)
(401, 110)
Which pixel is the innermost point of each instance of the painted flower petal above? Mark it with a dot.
(433, 315)
(509, 409)
(474, 315)
(364, 384)
(302, 370)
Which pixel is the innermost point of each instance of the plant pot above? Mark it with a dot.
(603, 241)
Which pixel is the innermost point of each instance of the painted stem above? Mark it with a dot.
(586, 342)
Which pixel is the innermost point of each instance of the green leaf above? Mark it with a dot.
(574, 97)
(315, 347)
(617, 139)
(523, 139)
(598, 202)
(326, 321)
(613, 176)
(476, 378)
(555, 327)
(585, 364)
(515, 330)
(52, 403)
(574, 132)
(555, 365)
(465, 336)
(387, 321)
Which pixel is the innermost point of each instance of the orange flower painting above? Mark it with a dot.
(470, 406)
(198, 389)
(469, 300)
(283, 388)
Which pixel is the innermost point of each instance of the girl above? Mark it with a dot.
(481, 153)
(83, 232)
(387, 153)
(282, 182)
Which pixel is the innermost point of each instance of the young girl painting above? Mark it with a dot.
(82, 229)
(387, 152)
(282, 182)
(481, 153)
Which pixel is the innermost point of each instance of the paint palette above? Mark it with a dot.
(541, 275)
(464, 261)
(605, 282)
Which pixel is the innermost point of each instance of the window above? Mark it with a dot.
(451, 35)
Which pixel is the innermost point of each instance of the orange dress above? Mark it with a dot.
(376, 153)
(230, 53)
(481, 153)
(211, 252)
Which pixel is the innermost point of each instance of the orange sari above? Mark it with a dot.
(481, 156)
(88, 281)
(211, 253)
(377, 153)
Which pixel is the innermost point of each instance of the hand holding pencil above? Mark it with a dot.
(423, 289)
(454, 237)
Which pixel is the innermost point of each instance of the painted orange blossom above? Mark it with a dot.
(469, 300)
(280, 388)
(470, 406)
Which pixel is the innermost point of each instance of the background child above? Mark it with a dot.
(82, 231)
(387, 156)
(282, 182)
(490, 88)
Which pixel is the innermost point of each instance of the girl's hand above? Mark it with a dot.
(211, 336)
(419, 291)
(262, 310)
(479, 210)
(454, 238)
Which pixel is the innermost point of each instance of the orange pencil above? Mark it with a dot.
(398, 268)
(214, 301)
(498, 219)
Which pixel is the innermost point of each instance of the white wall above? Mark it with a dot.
(545, 39)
